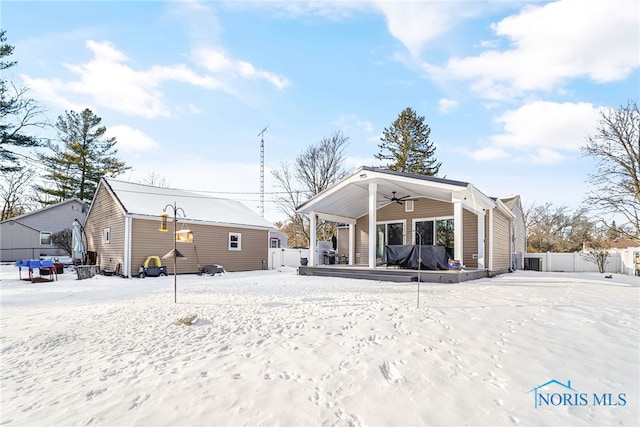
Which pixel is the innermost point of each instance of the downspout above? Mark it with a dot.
(127, 247)
(491, 219)
(512, 242)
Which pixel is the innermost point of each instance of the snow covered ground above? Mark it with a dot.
(273, 348)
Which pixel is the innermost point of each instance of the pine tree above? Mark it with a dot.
(406, 146)
(85, 155)
(17, 114)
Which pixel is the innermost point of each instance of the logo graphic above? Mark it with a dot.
(555, 393)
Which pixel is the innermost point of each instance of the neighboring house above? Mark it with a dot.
(28, 236)
(480, 231)
(123, 222)
(277, 239)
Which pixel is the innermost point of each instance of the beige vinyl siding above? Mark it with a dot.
(423, 208)
(520, 233)
(343, 241)
(362, 241)
(105, 213)
(501, 244)
(469, 239)
(210, 246)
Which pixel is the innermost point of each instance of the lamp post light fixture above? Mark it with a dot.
(174, 253)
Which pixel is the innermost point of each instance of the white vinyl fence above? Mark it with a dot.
(286, 257)
(576, 263)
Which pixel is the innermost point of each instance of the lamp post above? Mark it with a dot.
(175, 253)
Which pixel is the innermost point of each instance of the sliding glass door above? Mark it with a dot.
(391, 233)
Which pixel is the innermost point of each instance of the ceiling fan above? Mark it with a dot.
(399, 200)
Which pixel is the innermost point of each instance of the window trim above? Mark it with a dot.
(106, 235)
(435, 219)
(238, 241)
(43, 234)
(409, 206)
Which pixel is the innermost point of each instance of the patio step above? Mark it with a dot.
(367, 275)
(394, 275)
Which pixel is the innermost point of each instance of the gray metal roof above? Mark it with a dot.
(147, 200)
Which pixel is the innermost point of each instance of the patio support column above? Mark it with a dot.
(481, 261)
(313, 219)
(490, 231)
(457, 231)
(373, 189)
(352, 243)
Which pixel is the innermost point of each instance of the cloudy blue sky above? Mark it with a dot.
(510, 89)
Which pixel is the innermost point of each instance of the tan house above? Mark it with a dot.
(379, 207)
(123, 223)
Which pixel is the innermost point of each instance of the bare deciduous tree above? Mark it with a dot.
(155, 179)
(616, 180)
(63, 239)
(295, 228)
(16, 195)
(556, 229)
(597, 250)
(314, 170)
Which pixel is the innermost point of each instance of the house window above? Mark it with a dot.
(437, 231)
(106, 235)
(45, 237)
(408, 206)
(274, 243)
(235, 241)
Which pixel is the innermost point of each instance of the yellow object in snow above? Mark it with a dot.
(155, 259)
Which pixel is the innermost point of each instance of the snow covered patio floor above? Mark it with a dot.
(274, 348)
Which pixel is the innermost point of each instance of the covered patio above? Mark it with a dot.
(366, 200)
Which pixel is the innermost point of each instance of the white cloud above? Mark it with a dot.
(547, 156)
(106, 80)
(488, 154)
(446, 105)
(540, 132)
(215, 61)
(546, 124)
(131, 140)
(415, 23)
(552, 43)
(348, 122)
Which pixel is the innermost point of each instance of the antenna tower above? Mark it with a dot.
(261, 135)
